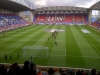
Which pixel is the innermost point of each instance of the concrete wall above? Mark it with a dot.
(98, 13)
(90, 15)
(22, 14)
(31, 16)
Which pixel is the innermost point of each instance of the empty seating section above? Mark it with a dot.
(61, 19)
(78, 19)
(69, 19)
(41, 18)
(11, 21)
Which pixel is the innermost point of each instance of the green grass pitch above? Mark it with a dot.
(74, 48)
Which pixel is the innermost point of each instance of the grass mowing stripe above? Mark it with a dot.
(97, 31)
(28, 43)
(42, 61)
(16, 33)
(88, 49)
(21, 34)
(59, 51)
(12, 32)
(48, 43)
(15, 37)
(4, 45)
(32, 44)
(72, 49)
(7, 42)
(93, 33)
(90, 40)
(55, 52)
(34, 37)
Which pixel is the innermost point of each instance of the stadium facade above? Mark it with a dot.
(68, 15)
(61, 15)
(65, 15)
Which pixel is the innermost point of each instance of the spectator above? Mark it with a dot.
(51, 71)
(63, 71)
(93, 72)
(57, 71)
(5, 56)
(78, 72)
(33, 68)
(14, 69)
(39, 72)
(3, 70)
(26, 69)
(83, 73)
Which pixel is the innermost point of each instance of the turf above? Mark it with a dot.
(74, 48)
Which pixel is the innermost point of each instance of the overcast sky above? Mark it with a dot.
(46, 3)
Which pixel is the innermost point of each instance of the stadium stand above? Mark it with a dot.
(8, 17)
(32, 69)
(11, 21)
(60, 19)
(96, 24)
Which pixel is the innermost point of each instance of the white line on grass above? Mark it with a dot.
(56, 55)
(83, 56)
(64, 53)
(74, 56)
(56, 49)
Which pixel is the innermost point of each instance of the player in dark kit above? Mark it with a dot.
(3, 35)
(18, 55)
(48, 39)
(10, 56)
(55, 43)
(54, 37)
(5, 57)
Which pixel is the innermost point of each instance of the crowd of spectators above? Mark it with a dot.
(96, 24)
(30, 68)
(10, 21)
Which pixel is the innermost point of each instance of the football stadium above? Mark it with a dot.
(58, 37)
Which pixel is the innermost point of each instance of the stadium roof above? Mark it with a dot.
(13, 6)
(61, 9)
(96, 6)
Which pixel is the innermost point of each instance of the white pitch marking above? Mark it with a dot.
(74, 56)
(57, 55)
(58, 50)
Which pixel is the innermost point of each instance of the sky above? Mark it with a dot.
(46, 3)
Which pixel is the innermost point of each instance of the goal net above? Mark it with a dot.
(36, 51)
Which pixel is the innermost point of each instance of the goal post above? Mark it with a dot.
(36, 51)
